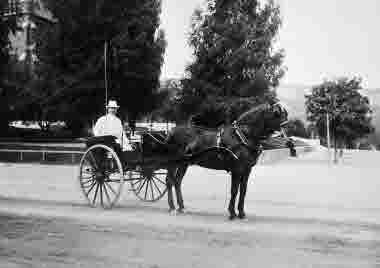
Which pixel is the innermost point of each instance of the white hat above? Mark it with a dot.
(112, 104)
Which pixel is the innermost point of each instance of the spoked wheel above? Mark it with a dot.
(148, 184)
(101, 176)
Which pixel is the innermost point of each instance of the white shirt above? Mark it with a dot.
(110, 124)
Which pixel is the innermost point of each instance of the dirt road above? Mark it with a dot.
(320, 216)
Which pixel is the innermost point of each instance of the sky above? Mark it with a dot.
(322, 39)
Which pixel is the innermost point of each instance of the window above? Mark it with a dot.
(11, 8)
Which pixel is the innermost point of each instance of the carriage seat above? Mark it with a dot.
(108, 140)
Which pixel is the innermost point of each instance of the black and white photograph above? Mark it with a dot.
(189, 133)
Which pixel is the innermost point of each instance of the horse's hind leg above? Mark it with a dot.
(169, 185)
(180, 173)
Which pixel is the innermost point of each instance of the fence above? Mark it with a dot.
(274, 155)
(73, 157)
(27, 155)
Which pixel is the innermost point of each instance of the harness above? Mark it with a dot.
(219, 144)
(254, 148)
(244, 141)
(240, 134)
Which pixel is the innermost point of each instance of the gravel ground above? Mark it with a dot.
(301, 213)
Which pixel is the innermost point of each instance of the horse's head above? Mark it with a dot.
(264, 119)
(276, 116)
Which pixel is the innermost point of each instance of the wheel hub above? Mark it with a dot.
(100, 177)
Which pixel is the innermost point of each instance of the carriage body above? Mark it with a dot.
(104, 169)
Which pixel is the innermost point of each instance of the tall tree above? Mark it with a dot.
(7, 24)
(170, 90)
(234, 54)
(349, 110)
(71, 56)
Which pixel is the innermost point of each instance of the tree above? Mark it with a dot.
(71, 57)
(234, 56)
(169, 93)
(349, 110)
(7, 25)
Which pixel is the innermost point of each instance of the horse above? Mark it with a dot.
(241, 144)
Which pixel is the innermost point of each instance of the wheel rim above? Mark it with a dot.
(101, 176)
(148, 184)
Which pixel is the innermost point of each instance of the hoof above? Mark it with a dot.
(172, 212)
(232, 217)
(242, 216)
(181, 211)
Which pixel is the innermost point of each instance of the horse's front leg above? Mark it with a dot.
(235, 178)
(242, 193)
(179, 174)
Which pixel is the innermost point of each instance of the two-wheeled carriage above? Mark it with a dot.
(104, 169)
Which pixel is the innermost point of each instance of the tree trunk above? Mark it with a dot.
(335, 149)
(342, 145)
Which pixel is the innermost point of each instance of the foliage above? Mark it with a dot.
(234, 55)
(7, 25)
(296, 127)
(70, 74)
(350, 112)
(169, 92)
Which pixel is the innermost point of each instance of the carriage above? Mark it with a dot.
(104, 169)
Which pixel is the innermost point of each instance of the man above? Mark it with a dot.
(110, 124)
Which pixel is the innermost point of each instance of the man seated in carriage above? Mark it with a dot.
(110, 124)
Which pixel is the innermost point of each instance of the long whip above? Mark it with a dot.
(105, 73)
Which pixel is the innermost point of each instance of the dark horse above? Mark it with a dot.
(240, 147)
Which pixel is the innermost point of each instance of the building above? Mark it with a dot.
(29, 14)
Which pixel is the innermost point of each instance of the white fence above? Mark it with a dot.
(271, 156)
(267, 157)
(21, 153)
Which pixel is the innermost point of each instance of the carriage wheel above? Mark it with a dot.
(148, 184)
(101, 176)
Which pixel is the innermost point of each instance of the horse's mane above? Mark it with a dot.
(255, 109)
